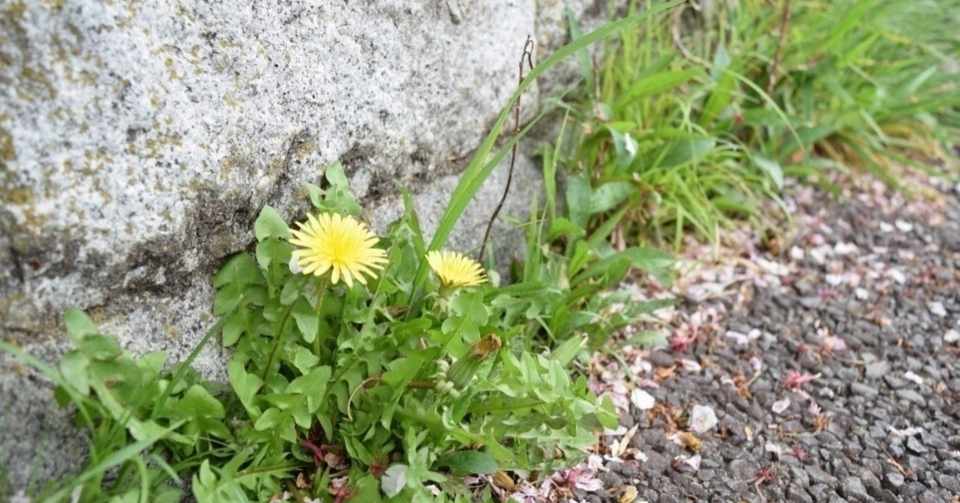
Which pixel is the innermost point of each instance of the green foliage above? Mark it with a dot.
(697, 120)
(328, 382)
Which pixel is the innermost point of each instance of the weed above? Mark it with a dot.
(688, 124)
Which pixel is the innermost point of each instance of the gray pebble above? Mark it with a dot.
(863, 389)
(893, 480)
(949, 483)
(911, 396)
(877, 369)
(798, 494)
(817, 475)
(661, 359)
(915, 446)
(853, 488)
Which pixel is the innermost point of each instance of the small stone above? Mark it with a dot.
(702, 419)
(888, 496)
(903, 226)
(780, 405)
(937, 309)
(863, 389)
(799, 476)
(642, 400)
(741, 469)
(911, 396)
(951, 336)
(819, 492)
(897, 276)
(817, 475)
(660, 359)
(853, 488)
(915, 446)
(893, 480)
(951, 467)
(877, 369)
(894, 381)
(914, 378)
(870, 481)
(610, 479)
(949, 483)
(656, 463)
(798, 494)
(916, 463)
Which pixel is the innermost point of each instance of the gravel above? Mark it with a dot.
(879, 418)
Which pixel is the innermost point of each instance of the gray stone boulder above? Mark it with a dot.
(138, 141)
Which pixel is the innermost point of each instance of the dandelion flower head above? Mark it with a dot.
(454, 269)
(339, 244)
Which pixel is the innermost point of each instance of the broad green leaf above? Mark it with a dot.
(336, 176)
(579, 196)
(73, 366)
(198, 402)
(236, 324)
(227, 298)
(403, 370)
(315, 194)
(270, 225)
(304, 359)
(312, 385)
(610, 195)
(273, 251)
(469, 462)
(79, 324)
(241, 268)
(99, 347)
(270, 418)
(307, 318)
(244, 384)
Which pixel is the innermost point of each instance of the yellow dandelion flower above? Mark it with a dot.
(339, 244)
(455, 269)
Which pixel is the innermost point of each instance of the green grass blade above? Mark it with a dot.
(475, 173)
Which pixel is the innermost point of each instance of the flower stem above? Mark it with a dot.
(277, 341)
(316, 337)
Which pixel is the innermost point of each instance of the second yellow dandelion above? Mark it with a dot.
(454, 269)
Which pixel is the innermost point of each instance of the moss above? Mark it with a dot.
(171, 68)
(35, 84)
(7, 151)
(16, 11)
(20, 196)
